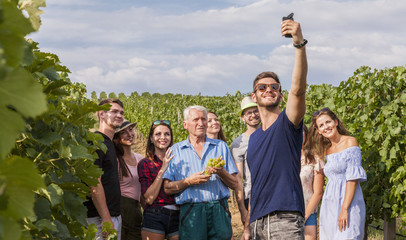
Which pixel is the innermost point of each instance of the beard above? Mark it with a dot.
(268, 104)
(254, 125)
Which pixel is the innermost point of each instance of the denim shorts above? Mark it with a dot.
(161, 220)
(311, 220)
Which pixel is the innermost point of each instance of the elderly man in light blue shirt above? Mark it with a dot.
(202, 198)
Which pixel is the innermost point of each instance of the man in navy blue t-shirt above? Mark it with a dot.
(276, 204)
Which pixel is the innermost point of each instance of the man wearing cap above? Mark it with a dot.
(250, 116)
(273, 155)
(204, 212)
(104, 204)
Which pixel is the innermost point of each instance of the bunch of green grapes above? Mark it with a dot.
(214, 162)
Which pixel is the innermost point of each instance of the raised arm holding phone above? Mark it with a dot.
(276, 208)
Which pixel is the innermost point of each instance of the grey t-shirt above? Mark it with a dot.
(239, 151)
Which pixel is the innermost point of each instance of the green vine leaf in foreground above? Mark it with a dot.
(21, 180)
(32, 8)
(20, 95)
(13, 27)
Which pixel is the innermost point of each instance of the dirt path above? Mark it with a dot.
(140, 143)
(235, 220)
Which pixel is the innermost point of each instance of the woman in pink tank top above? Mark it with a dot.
(129, 182)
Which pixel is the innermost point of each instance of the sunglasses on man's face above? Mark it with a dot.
(157, 122)
(262, 87)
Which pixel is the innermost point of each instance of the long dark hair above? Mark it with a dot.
(307, 151)
(150, 151)
(123, 170)
(221, 135)
(317, 143)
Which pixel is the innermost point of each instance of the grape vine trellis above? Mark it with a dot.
(47, 150)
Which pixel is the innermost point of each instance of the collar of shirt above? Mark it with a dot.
(186, 143)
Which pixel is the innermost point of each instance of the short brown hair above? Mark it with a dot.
(111, 100)
(266, 75)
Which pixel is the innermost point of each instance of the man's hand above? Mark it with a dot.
(246, 235)
(228, 179)
(293, 28)
(108, 228)
(215, 170)
(243, 214)
(197, 178)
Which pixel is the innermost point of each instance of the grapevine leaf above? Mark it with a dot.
(46, 224)
(9, 229)
(91, 232)
(42, 208)
(51, 74)
(79, 151)
(3, 196)
(11, 127)
(20, 91)
(22, 181)
(63, 231)
(27, 55)
(386, 205)
(74, 207)
(392, 153)
(13, 27)
(64, 151)
(54, 194)
(55, 85)
(32, 8)
(49, 138)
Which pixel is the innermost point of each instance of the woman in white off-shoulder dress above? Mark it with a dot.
(342, 212)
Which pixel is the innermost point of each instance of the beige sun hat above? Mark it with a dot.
(125, 125)
(246, 102)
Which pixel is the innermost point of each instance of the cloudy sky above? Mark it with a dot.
(216, 46)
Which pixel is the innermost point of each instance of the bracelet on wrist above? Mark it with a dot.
(300, 45)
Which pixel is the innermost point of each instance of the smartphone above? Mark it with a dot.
(289, 17)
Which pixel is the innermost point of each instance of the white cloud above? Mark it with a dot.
(219, 50)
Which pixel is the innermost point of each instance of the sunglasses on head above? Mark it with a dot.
(157, 122)
(262, 87)
(323, 110)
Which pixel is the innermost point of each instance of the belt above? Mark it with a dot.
(159, 209)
